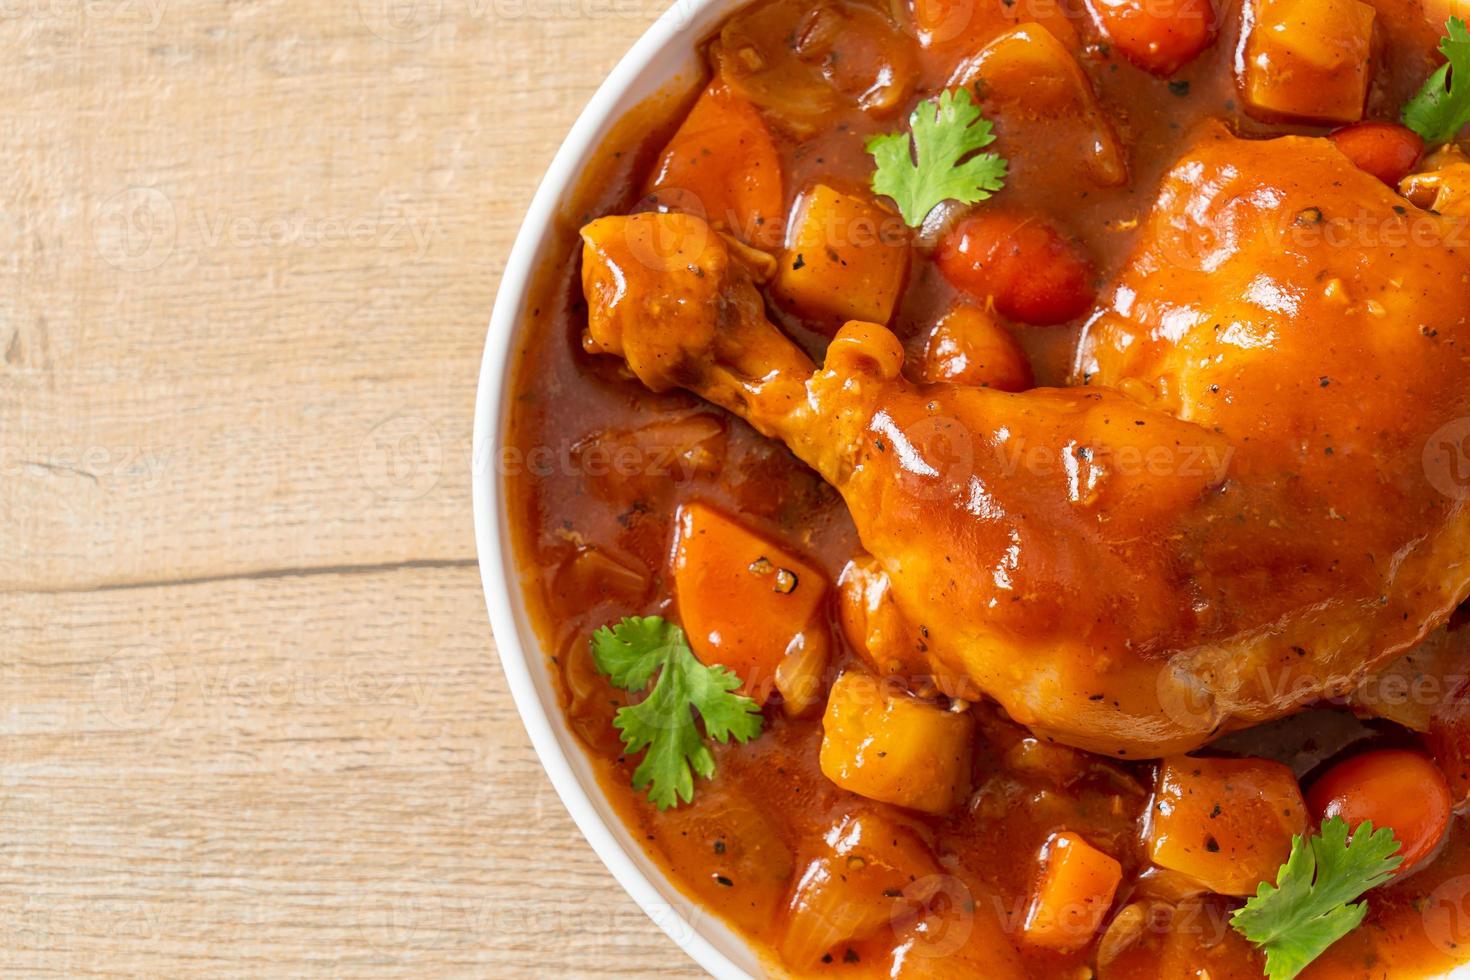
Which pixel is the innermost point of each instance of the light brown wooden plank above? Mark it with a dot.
(250, 253)
(317, 774)
(247, 254)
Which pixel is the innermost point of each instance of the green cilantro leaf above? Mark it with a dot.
(662, 723)
(921, 172)
(1442, 107)
(1308, 909)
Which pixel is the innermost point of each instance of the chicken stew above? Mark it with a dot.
(991, 477)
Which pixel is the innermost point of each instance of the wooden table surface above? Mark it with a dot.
(252, 720)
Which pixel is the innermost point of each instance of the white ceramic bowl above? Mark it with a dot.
(666, 56)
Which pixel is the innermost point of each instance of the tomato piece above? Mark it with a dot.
(1159, 36)
(968, 347)
(722, 165)
(1395, 788)
(1022, 263)
(744, 601)
(1386, 150)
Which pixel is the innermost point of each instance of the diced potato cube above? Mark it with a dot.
(1226, 823)
(870, 871)
(1308, 59)
(846, 258)
(1320, 34)
(1072, 895)
(743, 599)
(888, 746)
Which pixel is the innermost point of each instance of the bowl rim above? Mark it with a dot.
(678, 25)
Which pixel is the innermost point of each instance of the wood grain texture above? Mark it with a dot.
(252, 723)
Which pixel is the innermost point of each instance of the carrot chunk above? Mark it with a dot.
(1159, 36)
(722, 165)
(743, 599)
(1386, 150)
(1073, 893)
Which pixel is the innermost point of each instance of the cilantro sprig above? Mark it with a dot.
(629, 653)
(923, 169)
(1310, 906)
(1442, 107)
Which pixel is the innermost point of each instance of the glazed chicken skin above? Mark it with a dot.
(1229, 515)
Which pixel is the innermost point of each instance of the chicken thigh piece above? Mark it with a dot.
(1236, 513)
